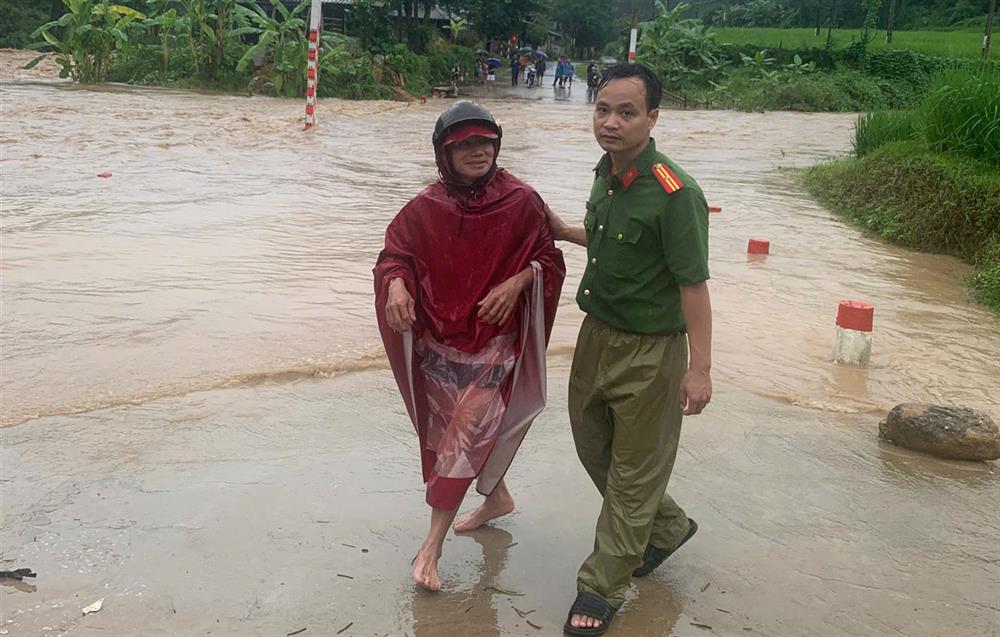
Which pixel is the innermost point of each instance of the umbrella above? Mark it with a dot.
(526, 49)
(540, 54)
(482, 52)
(493, 63)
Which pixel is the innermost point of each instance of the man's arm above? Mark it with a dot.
(563, 232)
(696, 386)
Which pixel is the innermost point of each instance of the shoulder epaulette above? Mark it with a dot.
(670, 182)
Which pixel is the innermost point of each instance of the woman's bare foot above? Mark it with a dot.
(499, 503)
(425, 568)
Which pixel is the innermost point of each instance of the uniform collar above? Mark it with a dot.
(642, 163)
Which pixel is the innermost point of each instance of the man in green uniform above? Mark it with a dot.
(646, 297)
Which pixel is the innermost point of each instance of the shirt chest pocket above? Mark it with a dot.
(628, 251)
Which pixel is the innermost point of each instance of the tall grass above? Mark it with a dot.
(961, 115)
(957, 44)
(876, 129)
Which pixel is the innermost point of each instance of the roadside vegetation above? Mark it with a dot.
(759, 71)
(962, 42)
(240, 45)
(929, 177)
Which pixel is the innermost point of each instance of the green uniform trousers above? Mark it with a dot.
(626, 418)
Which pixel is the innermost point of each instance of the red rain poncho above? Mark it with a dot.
(471, 388)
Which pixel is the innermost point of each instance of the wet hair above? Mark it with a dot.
(654, 89)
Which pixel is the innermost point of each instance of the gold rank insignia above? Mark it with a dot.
(670, 182)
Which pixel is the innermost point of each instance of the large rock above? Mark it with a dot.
(949, 432)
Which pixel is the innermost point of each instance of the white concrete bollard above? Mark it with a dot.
(853, 343)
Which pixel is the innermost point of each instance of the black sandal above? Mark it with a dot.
(593, 606)
(654, 556)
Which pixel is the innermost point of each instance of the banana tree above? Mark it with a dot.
(456, 26)
(84, 38)
(282, 43)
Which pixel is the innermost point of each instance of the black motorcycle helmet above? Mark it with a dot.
(462, 112)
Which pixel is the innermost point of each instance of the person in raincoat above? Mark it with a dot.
(466, 289)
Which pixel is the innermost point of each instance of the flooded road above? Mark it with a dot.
(153, 324)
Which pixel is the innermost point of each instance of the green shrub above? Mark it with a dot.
(681, 51)
(403, 67)
(732, 54)
(985, 281)
(441, 55)
(350, 78)
(876, 129)
(842, 91)
(961, 114)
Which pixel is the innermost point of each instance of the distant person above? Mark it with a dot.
(570, 72)
(466, 290)
(515, 69)
(593, 79)
(559, 71)
(523, 61)
(540, 69)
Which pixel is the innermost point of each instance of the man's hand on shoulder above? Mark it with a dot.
(561, 231)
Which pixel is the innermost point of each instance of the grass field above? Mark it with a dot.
(958, 44)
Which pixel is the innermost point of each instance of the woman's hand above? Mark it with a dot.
(400, 310)
(496, 307)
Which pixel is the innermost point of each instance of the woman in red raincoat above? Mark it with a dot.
(466, 290)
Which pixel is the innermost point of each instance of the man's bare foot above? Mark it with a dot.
(582, 621)
(425, 569)
(495, 506)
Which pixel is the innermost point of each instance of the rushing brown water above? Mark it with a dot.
(229, 247)
(230, 251)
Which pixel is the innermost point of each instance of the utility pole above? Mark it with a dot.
(989, 30)
(892, 18)
(634, 36)
(312, 64)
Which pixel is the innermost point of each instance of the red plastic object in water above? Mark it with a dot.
(759, 246)
(714, 209)
(853, 315)
(104, 175)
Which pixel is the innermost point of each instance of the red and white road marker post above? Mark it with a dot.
(853, 343)
(633, 37)
(312, 64)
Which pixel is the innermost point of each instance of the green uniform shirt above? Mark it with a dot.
(647, 234)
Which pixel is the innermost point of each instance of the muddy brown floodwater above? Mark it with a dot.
(200, 427)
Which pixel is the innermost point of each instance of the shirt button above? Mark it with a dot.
(620, 236)
(600, 228)
(610, 192)
(586, 292)
(594, 260)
